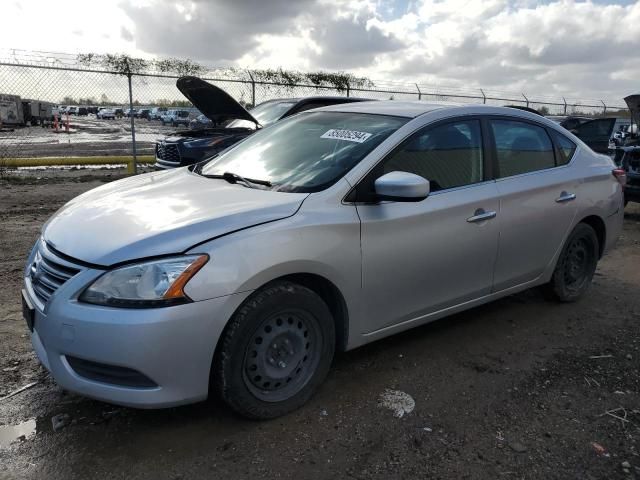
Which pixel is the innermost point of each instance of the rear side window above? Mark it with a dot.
(521, 147)
(447, 155)
(566, 148)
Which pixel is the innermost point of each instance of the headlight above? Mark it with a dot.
(157, 283)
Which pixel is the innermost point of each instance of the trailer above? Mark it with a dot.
(11, 113)
(37, 112)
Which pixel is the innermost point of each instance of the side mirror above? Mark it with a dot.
(402, 187)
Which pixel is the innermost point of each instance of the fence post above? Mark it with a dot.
(419, 92)
(604, 112)
(484, 97)
(348, 88)
(565, 105)
(133, 165)
(526, 100)
(253, 89)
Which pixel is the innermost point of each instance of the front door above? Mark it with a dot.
(421, 257)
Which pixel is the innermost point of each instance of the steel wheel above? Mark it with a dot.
(576, 265)
(281, 355)
(275, 351)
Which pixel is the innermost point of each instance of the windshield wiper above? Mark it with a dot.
(235, 178)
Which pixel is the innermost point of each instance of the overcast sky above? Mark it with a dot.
(574, 48)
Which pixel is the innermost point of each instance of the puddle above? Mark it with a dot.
(11, 433)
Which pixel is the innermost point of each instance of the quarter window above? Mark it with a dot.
(565, 148)
(448, 155)
(521, 147)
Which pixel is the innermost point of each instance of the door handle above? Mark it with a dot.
(565, 197)
(481, 215)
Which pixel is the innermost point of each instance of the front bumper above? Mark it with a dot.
(172, 346)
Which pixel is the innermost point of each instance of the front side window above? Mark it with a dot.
(306, 152)
(447, 155)
(521, 147)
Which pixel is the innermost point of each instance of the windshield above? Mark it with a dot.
(265, 113)
(307, 152)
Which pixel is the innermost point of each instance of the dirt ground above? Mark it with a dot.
(517, 389)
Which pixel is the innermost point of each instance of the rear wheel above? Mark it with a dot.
(576, 265)
(275, 351)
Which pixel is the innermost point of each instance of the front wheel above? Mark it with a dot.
(576, 265)
(275, 351)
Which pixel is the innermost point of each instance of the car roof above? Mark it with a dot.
(316, 98)
(408, 109)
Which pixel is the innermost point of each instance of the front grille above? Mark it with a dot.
(168, 153)
(112, 374)
(48, 272)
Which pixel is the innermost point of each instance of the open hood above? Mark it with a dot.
(216, 104)
(596, 133)
(633, 102)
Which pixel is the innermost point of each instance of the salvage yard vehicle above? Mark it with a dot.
(628, 159)
(595, 132)
(36, 112)
(328, 230)
(179, 149)
(156, 113)
(176, 117)
(106, 114)
(11, 110)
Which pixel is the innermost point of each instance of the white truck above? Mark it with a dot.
(11, 113)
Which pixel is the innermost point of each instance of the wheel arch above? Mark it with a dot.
(597, 223)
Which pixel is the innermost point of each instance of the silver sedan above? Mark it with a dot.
(336, 227)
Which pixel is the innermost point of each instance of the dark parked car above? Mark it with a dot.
(595, 132)
(569, 121)
(191, 146)
(628, 159)
(200, 121)
(143, 113)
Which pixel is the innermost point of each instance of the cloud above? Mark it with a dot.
(334, 33)
(220, 31)
(348, 44)
(126, 34)
(566, 48)
(563, 47)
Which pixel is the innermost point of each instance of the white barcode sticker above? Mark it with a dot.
(348, 135)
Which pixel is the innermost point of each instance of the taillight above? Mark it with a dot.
(620, 175)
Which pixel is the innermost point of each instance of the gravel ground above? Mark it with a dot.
(517, 389)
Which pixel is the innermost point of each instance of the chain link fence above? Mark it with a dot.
(37, 127)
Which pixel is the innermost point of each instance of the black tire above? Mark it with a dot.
(576, 265)
(275, 352)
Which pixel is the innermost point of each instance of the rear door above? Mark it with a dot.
(537, 192)
(421, 257)
(596, 133)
